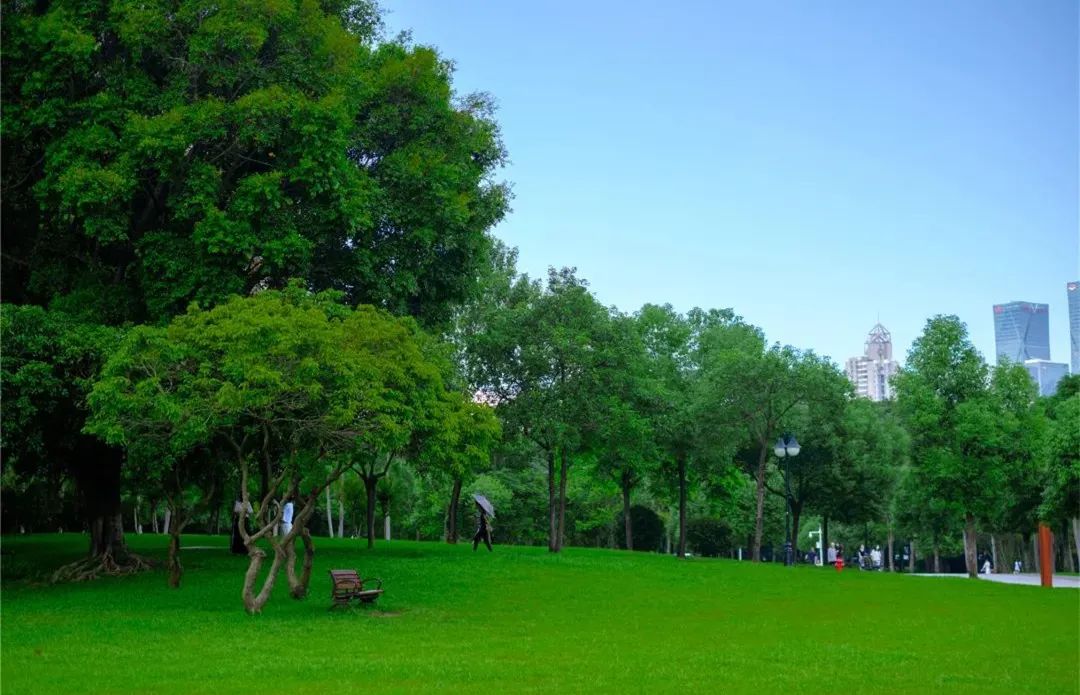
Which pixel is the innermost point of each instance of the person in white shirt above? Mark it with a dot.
(875, 557)
(287, 517)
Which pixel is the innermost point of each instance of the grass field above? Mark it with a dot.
(520, 619)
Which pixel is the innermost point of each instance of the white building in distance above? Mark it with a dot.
(870, 372)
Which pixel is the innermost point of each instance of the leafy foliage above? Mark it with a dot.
(158, 154)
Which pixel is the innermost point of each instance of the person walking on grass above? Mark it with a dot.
(484, 509)
(483, 529)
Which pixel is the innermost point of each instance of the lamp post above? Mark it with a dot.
(785, 448)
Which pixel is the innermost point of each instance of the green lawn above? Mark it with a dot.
(520, 619)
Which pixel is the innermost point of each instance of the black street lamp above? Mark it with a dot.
(785, 449)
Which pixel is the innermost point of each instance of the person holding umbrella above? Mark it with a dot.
(483, 529)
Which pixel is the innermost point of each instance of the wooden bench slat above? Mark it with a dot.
(348, 585)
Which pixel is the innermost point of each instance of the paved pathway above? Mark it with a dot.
(1060, 581)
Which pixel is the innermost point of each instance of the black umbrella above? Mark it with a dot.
(485, 505)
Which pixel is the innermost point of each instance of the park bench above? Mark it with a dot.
(348, 585)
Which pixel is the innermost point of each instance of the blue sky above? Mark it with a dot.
(813, 165)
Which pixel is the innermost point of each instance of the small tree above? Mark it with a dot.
(293, 385)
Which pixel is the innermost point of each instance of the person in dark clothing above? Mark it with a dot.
(483, 529)
(237, 542)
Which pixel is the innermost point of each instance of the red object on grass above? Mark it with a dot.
(1046, 556)
(839, 564)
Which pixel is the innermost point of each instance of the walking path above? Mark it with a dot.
(1061, 581)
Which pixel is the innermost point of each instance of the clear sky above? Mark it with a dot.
(813, 165)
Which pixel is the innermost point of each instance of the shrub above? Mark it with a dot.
(648, 529)
(709, 537)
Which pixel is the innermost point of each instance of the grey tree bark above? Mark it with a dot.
(759, 514)
(329, 513)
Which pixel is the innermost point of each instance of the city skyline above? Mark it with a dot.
(909, 165)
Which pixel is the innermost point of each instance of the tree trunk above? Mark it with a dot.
(824, 539)
(1076, 535)
(911, 557)
(892, 566)
(386, 527)
(563, 470)
(298, 585)
(168, 519)
(629, 527)
(452, 512)
(340, 518)
(253, 603)
(98, 478)
(994, 554)
(329, 514)
(1036, 560)
(553, 507)
(176, 570)
(759, 513)
(216, 523)
(937, 558)
(682, 507)
(369, 487)
(153, 518)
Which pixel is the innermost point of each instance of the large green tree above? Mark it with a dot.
(751, 388)
(161, 153)
(958, 425)
(624, 442)
(537, 358)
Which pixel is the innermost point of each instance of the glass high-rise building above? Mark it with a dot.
(1022, 331)
(1073, 289)
(1046, 375)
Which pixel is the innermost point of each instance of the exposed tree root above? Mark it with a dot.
(100, 566)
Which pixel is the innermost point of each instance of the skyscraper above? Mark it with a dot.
(1022, 331)
(871, 371)
(1073, 289)
(1046, 374)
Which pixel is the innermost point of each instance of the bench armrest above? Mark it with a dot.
(371, 579)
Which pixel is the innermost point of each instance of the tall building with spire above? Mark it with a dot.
(870, 372)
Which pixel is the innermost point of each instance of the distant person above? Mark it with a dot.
(483, 529)
(986, 566)
(1018, 567)
(875, 557)
(236, 543)
(830, 554)
(287, 517)
(839, 558)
